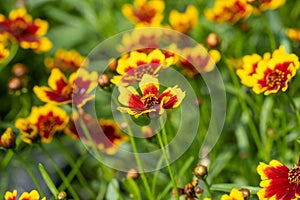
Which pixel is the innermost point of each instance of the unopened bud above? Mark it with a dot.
(112, 66)
(246, 193)
(8, 139)
(212, 40)
(132, 173)
(62, 195)
(103, 80)
(14, 84)
(19, 70)
(200, 171)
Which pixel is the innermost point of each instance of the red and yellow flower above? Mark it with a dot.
(43, 122)
(184, 22)
(4, 52)
(270, 4)
(145, 12)
(235, 194)
(27, 32)
(149, 101)
(7, 139)
(66, 60)
(196, 60)
(33, 195)
(107, 139)
(61, 91)
(229, 11)
(293, 34)
(271, 73)
(278, 181)
(132, 68)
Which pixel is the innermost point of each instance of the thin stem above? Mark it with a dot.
(293, 104)
(171, 173)
(5, 161)
(207, 187)
(31, 174)
(160, 162)
(269, 32)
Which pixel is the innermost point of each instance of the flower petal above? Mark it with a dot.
(171, 97)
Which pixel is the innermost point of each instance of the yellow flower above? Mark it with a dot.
(33, 195)
(66, 60)
(144, 12)
(4, 52)
(28, 131)
(228, 11)
(27, 32)
(293, 34)
(7, 139)
(184, 22)
(235, 194)
(270, 4)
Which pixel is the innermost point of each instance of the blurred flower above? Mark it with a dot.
(149, 101)
(7, 139)
(144, 12)
(19, 70)
(107, 139)
(133, 68)
(184, 22)
(278, 181)
(4, 53)
(62, 91)
(28, 33)
(71, 130)
(66, 60)
(196, 60)
(46, 120)
(235, 194)
(33, 195)
(293, 34)
(28, 131)
(270, 4)
(228, 11)
(269, 74)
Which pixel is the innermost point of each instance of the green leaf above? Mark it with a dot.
(225, 187)
(113, 190)
(132, 188)
(48, 180)
(265, 112)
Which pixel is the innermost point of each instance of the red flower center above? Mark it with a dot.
(294, 175)
(141, 70)
(149, 100)
(275, 78)
(145, 14)
(67, 91)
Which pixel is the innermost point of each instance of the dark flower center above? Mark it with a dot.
(149, 100)
(141, 70)
(67, 91)
(294, 175)
(145, 14)
(275, 78)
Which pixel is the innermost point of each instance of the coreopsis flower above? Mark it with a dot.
(7, 139)
(107, 139)
(269, 74)
(278, 181)
(149, 101)
(293, 34)
(184, 22)
(61, 91)
(4, 52)
(270, 4)
(33, 195)
(132, 68)
(47, 119)
(66, 60)
(27, 32)
(145, 12)
(28, 131)
(228, 11)
(235, 194)
(196, 60)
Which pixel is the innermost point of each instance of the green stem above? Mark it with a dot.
(60, 173)
(31, 174)
(165, 154)
(160, 162)
(207, 187)
(269, 32)
(12, 52)
(5, 161)
(293, 104)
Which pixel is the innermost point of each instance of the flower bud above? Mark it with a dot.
(246, 193)
(15, 84)
(132, 173)
(62, 195)
(212, 40)
(103, 80)
(19, 70)
(200, 171)
(112, 66)
(8, 139)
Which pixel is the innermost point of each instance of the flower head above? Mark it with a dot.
(278, 181)
(293, 34)
(61, 91)
(149, 101)
(7, 139)
(28, 131)
(144, 12)
(27, 32)
(269, 74)
(270, 4)
(133, 68)
(235, 194)
(228, 11)
(33, 195)
(66, 60)
(184, 22)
